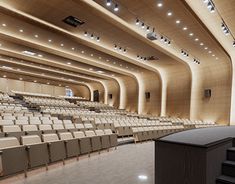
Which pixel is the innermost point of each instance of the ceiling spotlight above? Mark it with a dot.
(116, 8)
(73, 48)
(185, 28)
(209, 52)
(234, 43)
(85, 33)
(213, 55)
(98, 39)
(165, 40)
(206, 48)
(69, 63)
(177, 21)
(4, 25)
(201, 43)
(48, 82)
(124, 50)
(82, 51)
(92, 36)
(115, 47)
(148, 29)
(169, 13)
(142, 26)
(4, 76)
(20, 79)
(36, 36)
(91, 55)
(212, 9)
(49, 40)
(61, 44)
(108, 3)
(137, 22)
(39, 55)
(162, 38)
(120, 48)
(59, 84)
(159, 4)
(196, 39)
(21, 30)
(138, 56)
(141, 58)
(35, 81)
(190, 34)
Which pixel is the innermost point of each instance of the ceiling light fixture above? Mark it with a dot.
(61, 44)
(85, 33)
(36, 36)
(142, 26)
(49, 40)
(185, 28)
(169, 13)
(116, 8)
(196, 39)
(137, 22)
(92, 36)
(190, 34)
(21, 30)
(108, 2)
(69, 63)
(98, 39)
(4, 76)
(177, 21)
(4, 25)
(159, 4)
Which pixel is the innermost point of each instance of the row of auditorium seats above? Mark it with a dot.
(33, 150)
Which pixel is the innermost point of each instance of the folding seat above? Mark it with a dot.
(46, 129)
(88, 126)
(9, 117)
(142, 134)
(21, 117)
(54, 118)
(13, 131)
(67, 121)
(37, 150)
(57, 121)
(105, 142)
(6, 122)
(13, 156)
(21, 122)
(72, 144)
(79, 127)
(47, 122)
(112, 137)
(56, 147)
(34, 121)
(31, 130)
(70, 127)
(59, 128)
(95, 140)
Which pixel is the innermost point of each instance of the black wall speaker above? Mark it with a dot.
(147, 95)
(207, 93)
(110, 96)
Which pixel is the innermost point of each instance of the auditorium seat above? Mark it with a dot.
(105, 141)
(71, 143)
(37, 150)
(13, 156)
(56, 147)
(46, 129)
(95, 140)
(85, 142)
(112, 137)
(13, 131)
(31, 130)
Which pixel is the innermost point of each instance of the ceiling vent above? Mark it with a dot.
(73, 21)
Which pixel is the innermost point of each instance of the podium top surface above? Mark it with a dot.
(202, 136)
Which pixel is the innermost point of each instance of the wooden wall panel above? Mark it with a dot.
(82, 91)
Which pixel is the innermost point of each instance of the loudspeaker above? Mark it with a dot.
(147, 95)
(110, 96)
(207, 93)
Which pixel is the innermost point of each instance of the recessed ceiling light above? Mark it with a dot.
(36, 36)
(4, 25)
(59, 84)
(98, 39)
(20, 79)
(216, 58)
(99, 71)
(91, 54)
(107, 60)
(73, 48)
(48, 82)
(177, 21)
(100, 57)
(4, 76)
(92, 36)
(108, 3)
(206, 48)
(49, 40)
(201, 43)
(39, 55)
(137, 22)
(116, 7)
(169, 13)
(209, 51)
(91, 69)
(185, 28)
(159, 4)
(85, 33)
(21, 30)
(35, 81)
(0, 44)
(190, 34)
(29, 53)
(213, 55)
(82, 51)
(196, 39)
(61, 44)
(69, 63)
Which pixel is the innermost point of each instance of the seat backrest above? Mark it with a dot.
(88, 125)
(47, 122)
(99, 132)
(9, 117)
(11, 128)
(90, 133)
(49, 137)
(65, 136)
(69, 126)
(58, 127)
(57, 121)
(67, 121)
(29, 127)
(30, 139)
(79, 126)
(6, 122)
(21, 122)
(44, 127)
(78, 134)
(108, 131)
(7, 142)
